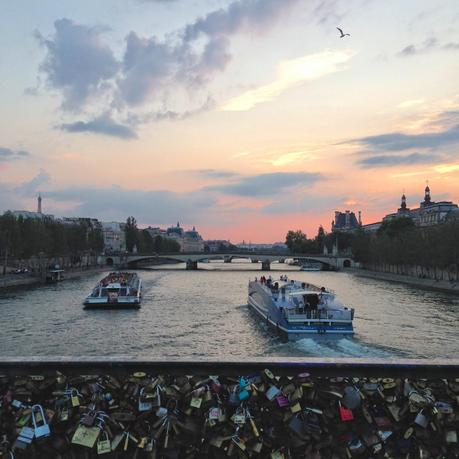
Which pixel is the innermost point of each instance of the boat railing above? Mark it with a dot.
(300, 314)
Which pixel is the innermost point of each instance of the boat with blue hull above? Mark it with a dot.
(299, 309)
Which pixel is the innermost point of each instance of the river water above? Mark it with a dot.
(204, 315)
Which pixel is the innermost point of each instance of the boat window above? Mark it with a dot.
(123, 291)
(104, 292)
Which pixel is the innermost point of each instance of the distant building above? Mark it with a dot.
(345, 222)
(114, 237)
(90, 222)
(192, 241)
(35, 215)
(156, 231)
(428, 213)
(189, 241)
(216, 245)
(276, 246)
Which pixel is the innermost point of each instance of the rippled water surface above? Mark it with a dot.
(204, 314)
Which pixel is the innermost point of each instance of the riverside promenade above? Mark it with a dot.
(13, 281)
(426, 284)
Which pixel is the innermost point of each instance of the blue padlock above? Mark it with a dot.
(243, 392)
(41, 427)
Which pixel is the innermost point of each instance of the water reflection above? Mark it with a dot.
(203, 314)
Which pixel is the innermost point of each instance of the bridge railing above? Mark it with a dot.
(320, 367)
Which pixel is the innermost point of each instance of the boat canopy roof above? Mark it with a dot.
(114, 285)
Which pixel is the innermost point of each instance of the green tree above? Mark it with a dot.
(296, 241)
(132, 238)
(320, 239)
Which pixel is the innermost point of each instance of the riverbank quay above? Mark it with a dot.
(278, 409)
(426, 284)
(18, 281)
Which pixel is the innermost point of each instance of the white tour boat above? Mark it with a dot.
(118, 290)
(298, 309)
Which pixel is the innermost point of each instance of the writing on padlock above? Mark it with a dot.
(103, 444)
(41, 427)
(214, 413)
(86, 436)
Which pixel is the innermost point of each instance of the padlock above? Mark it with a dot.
(282, 401)
(40, 425)
(103, 444)
(86, 436)
(196, 402)
(295, 408)
(421, 420)
(272, 393)
(26, 435)
(451, 436)
(89, 418)
(74, 397)
(239, 443)
(144, 405)
(214, 413)
(344, 413)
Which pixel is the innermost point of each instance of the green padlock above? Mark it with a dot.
(86, 436)
(104, 445)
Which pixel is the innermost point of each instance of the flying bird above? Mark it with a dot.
(343, 34)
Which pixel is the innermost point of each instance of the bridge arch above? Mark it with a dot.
(347, 263)
(109, 261)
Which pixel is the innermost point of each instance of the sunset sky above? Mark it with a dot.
(245, 118)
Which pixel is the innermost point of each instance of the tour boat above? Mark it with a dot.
(297, 309)
(118, 290)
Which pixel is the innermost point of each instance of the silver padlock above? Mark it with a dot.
(421, 420)
(144, 406)
(41, 430)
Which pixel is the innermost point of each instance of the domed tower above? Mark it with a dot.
(427, 200)
(403, 207)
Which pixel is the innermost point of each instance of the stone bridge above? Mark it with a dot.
(332, 262)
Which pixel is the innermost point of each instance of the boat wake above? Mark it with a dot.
(339, 347)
